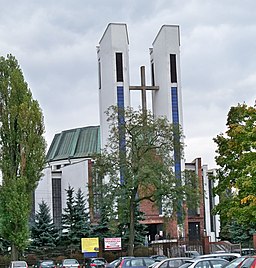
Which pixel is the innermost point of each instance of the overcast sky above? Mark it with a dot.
(55, 44)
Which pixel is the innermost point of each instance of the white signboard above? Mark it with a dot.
(113, 243)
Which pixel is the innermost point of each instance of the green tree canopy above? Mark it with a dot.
(236, 156)
(137, 164)
(22, 152)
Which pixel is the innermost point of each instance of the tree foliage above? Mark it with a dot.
(138, 164)
(82, 219)
(44, 235)
(75, 219)
(22, 152)
(236, 156)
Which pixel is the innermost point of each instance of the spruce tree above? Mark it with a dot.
(75, 219)
(101, 229)
(139, 228)
(68, 220)
(43, 232)
(82, 221)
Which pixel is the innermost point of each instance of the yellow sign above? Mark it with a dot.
(90, 244)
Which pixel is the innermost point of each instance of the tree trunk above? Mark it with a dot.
(131, 233)
(14, 253)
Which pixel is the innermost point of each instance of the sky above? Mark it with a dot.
(55, 45)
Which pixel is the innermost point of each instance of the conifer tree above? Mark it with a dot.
(82, 221)
(75, 219)
(68, 219)
(43, 232)
(102, 228)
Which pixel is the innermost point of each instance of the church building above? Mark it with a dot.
(69, 159)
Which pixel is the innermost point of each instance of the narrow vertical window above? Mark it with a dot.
(99, 73)
(152, 74)
(173, 68)
(119, 67)
(56, 201)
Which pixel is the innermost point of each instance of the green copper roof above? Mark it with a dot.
(75, 143)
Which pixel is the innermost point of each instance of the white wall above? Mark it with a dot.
(75, 175)
(213, 234)
(114, 39)
(166, 42)
(43, 191)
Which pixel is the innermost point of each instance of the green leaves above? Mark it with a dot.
(236, 156)
(22, 150)
(141, 168)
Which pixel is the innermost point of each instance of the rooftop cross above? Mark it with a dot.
(143, 88)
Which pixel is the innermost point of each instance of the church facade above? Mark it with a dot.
(70, 155)
(115, 89)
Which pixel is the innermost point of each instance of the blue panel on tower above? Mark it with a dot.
(120, 97)
(175, 105)
(177, 148)
(122, 143)
(175, 119)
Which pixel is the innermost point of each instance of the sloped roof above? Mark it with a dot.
(75, 143)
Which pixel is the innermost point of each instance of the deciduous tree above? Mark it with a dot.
(138, 164)
(236, 156)
(22, 152)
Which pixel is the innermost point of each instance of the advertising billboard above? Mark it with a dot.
(113, 243)
(90, 244)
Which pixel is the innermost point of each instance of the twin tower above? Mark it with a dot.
(114, 80)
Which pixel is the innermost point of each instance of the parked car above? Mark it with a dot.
(235, 263)
(191, 253)
(158, 258)
(116, 262)
(245, 251)
(18, 264)
(170, 262)
(205, 263)
(96, 263)
(138, 262)
(226, 256)
(45, 264)
(112, 264)
(68, 263)
(248, 262)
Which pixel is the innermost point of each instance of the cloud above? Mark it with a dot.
(55, 44)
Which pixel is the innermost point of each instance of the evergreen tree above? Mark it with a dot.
(43, 232)
(82, 223)
(22, 153)
(75, 219)
(139, 228)
(68, 220)
(103, 227)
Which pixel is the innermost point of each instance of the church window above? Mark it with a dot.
(152, 74)
(173, 68)
(56, 201)
(99, 73)
(119, 67)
